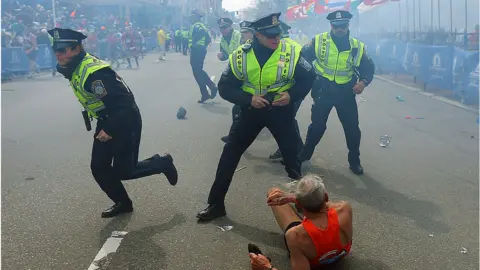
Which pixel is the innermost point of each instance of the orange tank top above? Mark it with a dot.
(327, 242)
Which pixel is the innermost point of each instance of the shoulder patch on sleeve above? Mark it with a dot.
(305, 64)
(99, 89)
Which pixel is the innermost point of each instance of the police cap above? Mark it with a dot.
(63, 38)
(245, 26)
(340, 17)
(268, 25)
(224, 22)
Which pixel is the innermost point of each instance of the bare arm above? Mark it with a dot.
(297, 258)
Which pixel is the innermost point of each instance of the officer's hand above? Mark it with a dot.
(259, 102)
(359, 87)
(220, 56)
(283, 100)
(103, 137)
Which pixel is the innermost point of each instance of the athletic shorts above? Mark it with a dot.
(291, 225)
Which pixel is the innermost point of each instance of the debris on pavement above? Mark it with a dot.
(463, 251)
(431, 235)
(420, 117)
(463, 130)
(30, 178)
(361, 99)
(400, 98)
(472, 137)
(225, 228)
(241, 168)
(408, 117)
(384, 140)
(181, 112)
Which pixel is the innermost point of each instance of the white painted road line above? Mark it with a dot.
(110, 246)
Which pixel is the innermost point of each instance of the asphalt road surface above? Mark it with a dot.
(416, 207)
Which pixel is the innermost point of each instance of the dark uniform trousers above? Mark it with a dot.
(122, 149)
(197, 58)
(178, 41)
(236, 110)
(343, 99)
(248, 124)
(184, 46)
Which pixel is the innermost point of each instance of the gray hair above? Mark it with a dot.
(310, 193)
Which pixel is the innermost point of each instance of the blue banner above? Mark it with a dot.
(445, 67)
(15, 61)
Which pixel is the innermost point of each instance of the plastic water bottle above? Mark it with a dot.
(384, 140)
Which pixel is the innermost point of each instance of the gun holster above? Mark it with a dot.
(87, 120)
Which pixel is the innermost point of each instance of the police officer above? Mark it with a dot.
(265, 77)
(105, 97)
(345, 70)
(277, 155)
(178, 40)
(286, 34)
(198, 42)
(184, 41)
(246, 31)
(230, 38)
(247, 34)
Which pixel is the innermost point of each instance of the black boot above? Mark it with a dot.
(213, 211)
(117, 209)
(356, 169)
(203, 99)
(168, 168)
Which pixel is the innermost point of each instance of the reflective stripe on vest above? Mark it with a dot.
(90, 101)
(331, 64)
(275, 76)
(234, 42)
(200, 42)
(291, 41)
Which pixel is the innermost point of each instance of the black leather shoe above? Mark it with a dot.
(117, 209)
(169, 170)
(203, 99)
(224, 139)
(212, 212)
(356, 169)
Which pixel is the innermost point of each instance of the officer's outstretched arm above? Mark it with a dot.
(229, 88)
(366, 68)
(308, 51)
(115, 96)
(304, 77)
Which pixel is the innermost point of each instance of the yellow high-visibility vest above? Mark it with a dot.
(90, 101)
(200, 42)
(275, 76)
(333, 65)
(234, 42)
